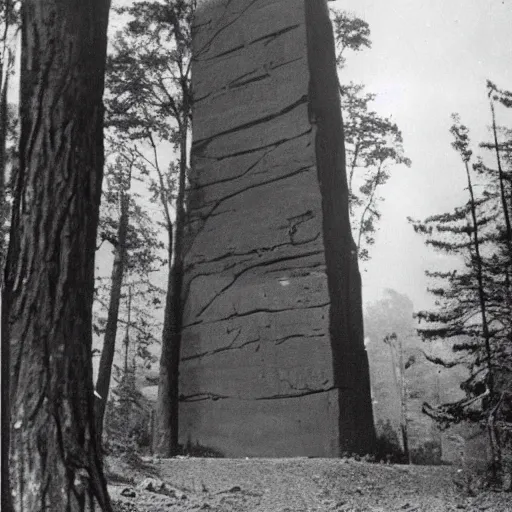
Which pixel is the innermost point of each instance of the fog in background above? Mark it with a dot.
(428, 59)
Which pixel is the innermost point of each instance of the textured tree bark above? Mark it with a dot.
(3, 141)
(47, 299)
(166, 431)
(6, 66)
(4, 345)
(109, 340)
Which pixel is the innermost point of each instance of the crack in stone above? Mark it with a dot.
(294, 270)
(295, 222)
(201, 397)
(256, 185)
(259, 148)
(236, 85)
(238, 192)
(248, 170)
(297, 395)
(199, 146)
(268, 38)
(198, 187)
(222, 212)
(280, 341)
(261, 264)
(259, 252)
(223, 349)
(207, 274)
(306, 389)
(235, 82)
(255, 312)
(273, 36)
(202, 354)
(198, 397)
(208, 44)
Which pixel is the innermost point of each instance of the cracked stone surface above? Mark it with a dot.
(273, 362)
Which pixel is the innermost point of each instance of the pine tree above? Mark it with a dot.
(472, 310)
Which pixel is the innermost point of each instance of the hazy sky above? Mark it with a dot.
(428, 59)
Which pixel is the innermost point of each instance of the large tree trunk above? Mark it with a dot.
(47, 299)
(3, 146)
(109, 341)
(166, 433)
(5, 345)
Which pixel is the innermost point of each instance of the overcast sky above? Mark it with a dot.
(428, 59)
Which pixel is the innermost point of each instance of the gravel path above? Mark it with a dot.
(294, 485)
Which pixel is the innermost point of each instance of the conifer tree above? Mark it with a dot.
(472, 310)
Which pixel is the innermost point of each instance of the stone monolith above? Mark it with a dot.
(273, 359)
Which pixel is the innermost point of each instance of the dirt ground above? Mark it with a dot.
(294, 485)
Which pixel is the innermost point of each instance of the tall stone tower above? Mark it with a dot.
(273, 360)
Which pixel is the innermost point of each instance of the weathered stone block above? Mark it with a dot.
(273, 362)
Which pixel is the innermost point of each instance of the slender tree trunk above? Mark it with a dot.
(127, 331)
(403, 402)
(397, 361)
(5, 345)
(167, 422)
(506, 207)
(495, 446)
(162, 419)
(55, 462)
(3, 144)
(369, 204)
(109, 340)
(480, 281)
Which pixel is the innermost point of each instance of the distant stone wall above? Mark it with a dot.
(273, 361)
